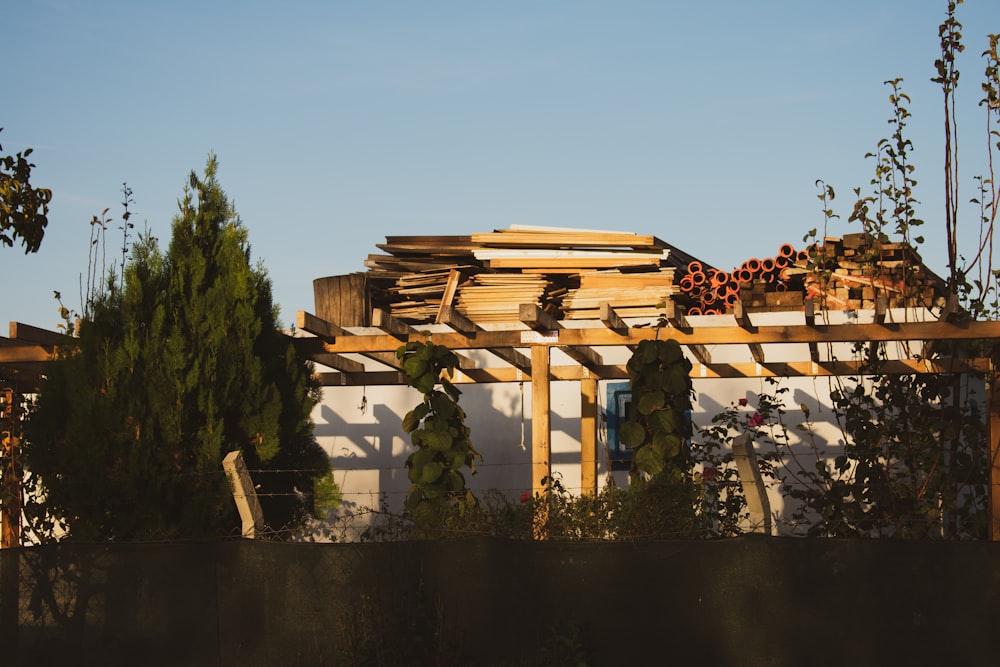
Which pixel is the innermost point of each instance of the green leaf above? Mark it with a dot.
(647, 461)
(431, 472)
(412, 419)
(650, 401)
(632, 434)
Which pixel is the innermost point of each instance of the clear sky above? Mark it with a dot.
(339, 123)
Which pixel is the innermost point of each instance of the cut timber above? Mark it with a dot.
(564, 239)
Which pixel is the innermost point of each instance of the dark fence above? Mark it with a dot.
(745, 601)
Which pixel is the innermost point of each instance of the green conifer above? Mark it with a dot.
(176, 366)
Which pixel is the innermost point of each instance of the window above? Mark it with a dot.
(619, 409)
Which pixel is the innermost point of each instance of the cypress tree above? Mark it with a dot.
(176, 366)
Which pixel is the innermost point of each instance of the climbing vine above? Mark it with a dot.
(438, 431)
(659, 424)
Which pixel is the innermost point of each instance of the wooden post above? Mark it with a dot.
(588, 436)
(753, 485)
(993, 438)
(10, 497)
(244, 494)
(541, 457)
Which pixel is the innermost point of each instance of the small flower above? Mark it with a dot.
(743, 402)
(708, 474)
(756, 420)
(525, 497)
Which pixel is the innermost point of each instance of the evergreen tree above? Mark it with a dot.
(176, 366)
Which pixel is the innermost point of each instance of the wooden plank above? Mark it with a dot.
(462, 324)
(588, 436)
(554, 265)
(564, 239)
(541, 438)
(610, 319)
(743, 318)
(338, 362)
(30, 334)
(454, 277)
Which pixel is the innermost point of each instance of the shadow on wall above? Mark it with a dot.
(361, 429)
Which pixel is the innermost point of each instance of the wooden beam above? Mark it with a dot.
(725, 335)
(329, 333)
(462, 324)
(338, 362)
(30, 334)
(450, 287)
(743, 318)
(575, 373)
(541, 438)
(677, 320)
(611, 320)
(588, 436)
(810, 312)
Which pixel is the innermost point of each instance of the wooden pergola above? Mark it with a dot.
(525, 352)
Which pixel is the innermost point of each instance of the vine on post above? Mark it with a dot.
(437, 428)
(661, 395)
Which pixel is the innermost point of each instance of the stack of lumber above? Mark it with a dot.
(486, 276)
(850, 273)
(496, 297)
(631, 294)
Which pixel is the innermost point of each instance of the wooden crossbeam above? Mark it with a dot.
(329, 333)
(462, 324)
(743, 319)
(698, 371)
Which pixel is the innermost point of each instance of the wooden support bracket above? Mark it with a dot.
(538, 320)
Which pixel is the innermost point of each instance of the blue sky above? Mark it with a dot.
(337, 124)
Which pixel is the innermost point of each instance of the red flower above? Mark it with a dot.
(525, 497)
(756, 420)
(708, 474)
(743, 401)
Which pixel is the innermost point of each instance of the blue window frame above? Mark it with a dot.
(619, 409)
